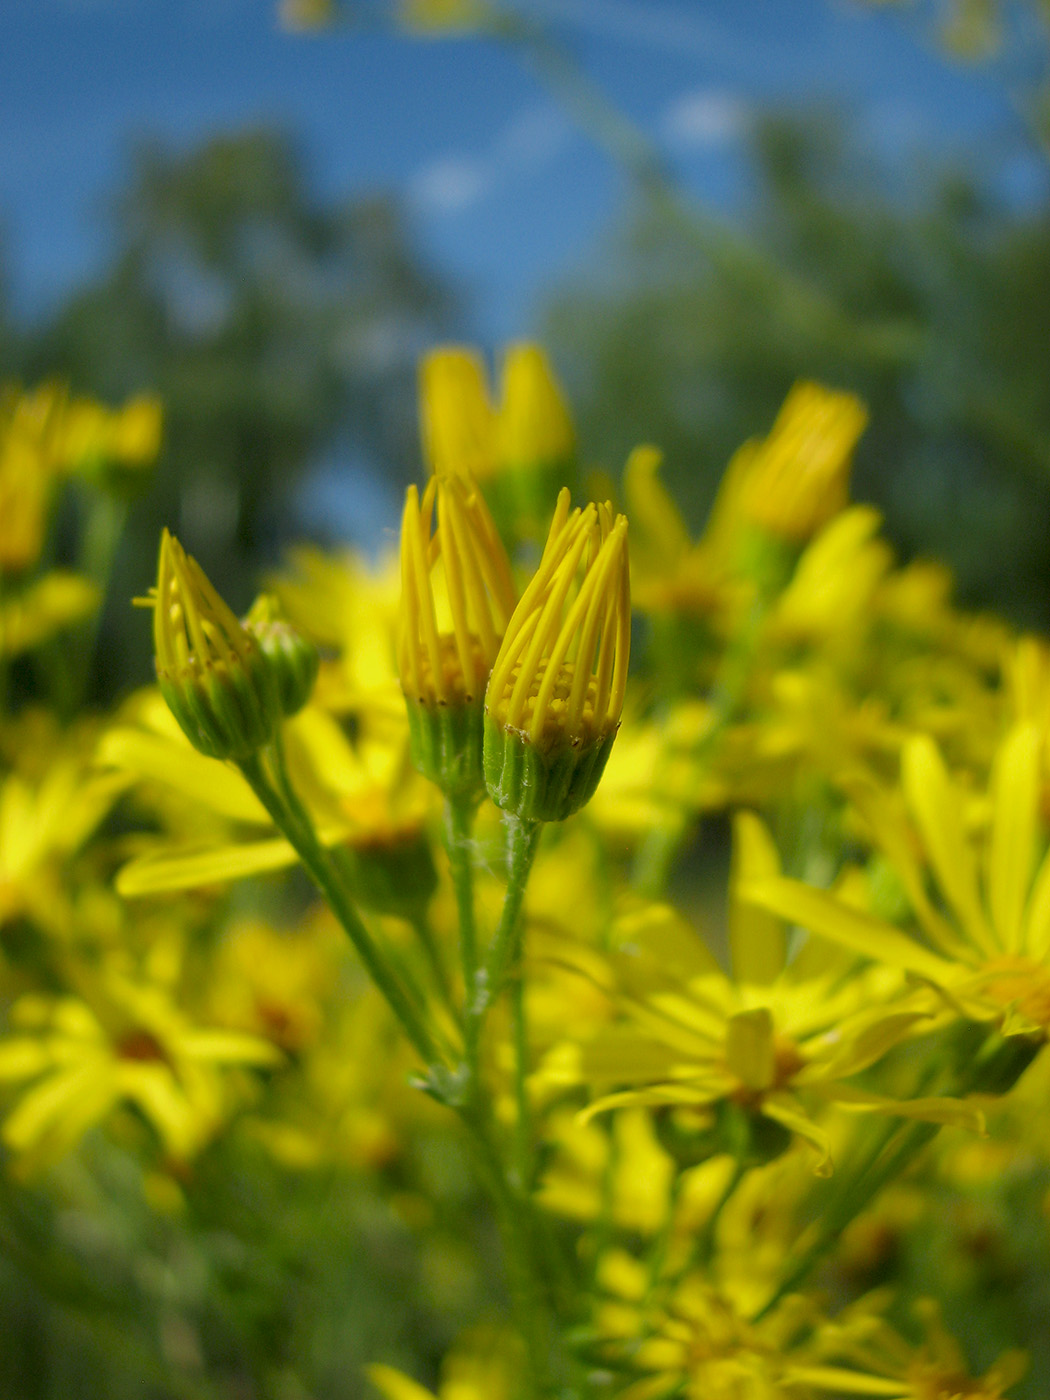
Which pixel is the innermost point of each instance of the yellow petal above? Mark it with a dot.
(934, 802)
(228, 1048)
(786, 1111)
(949, 1113)
(395, 1385)
(187, 869)
(749, 1047)
(757, 939)
(842, 1382)
(1037, 931)
(652, 512)
(177, 765)
(154, 1090)
(1015, 790)
(822, 913)
(22, 1059)
(698, 1091)
(863, 1047)
(61, 1107)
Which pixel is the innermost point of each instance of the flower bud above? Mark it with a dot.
(798, 478)
(212, 671)
(456, 599)
(556, 692)
(293, 659)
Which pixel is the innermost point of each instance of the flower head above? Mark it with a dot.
(212, 672)
(457, 596)
(534, 425)
(557, 686)
(456, 415)
(798, 478)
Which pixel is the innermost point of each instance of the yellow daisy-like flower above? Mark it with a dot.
(129, 1043)
(691, 1340)
(798, 478)
(752, 1058)
(30, 460)
(985, 942)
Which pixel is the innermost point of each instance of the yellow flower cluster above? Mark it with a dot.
(716, 1045)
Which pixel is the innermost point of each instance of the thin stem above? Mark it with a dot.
(873, 1177)
(514, 1217)
(299, 831)
(504, 965)
(459, 821)
(425, 936)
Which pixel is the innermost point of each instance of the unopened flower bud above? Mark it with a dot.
(211, 670)
(292, 658)
(556, 691)
(456, 599)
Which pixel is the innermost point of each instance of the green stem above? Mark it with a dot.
(504, 965)
(421, 927)
(516, 1226)
(292, 821)
(459, 822)
(881, 1168)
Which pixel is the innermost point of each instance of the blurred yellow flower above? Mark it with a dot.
(127, 1043)
(990, 959)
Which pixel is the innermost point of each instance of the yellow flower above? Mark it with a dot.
(360, 794)
(435, 17)
(447, 660)
(747, 1055)
(33, 614)
(878, 1361)
(127, 1043)
(44, 820)
(457, 596)
(95, 436)
(990, 957)
(556, 691)
(456, 415)
(30, 448)
(798, 478)
(212, 671)
(534, 427)
(522, 450)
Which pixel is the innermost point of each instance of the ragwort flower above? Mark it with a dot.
(556, 692)
(213, 673)
(745, 1063)
(457, 597)
(983, 941)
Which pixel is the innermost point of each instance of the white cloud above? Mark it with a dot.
(703, 119)
(450, 184)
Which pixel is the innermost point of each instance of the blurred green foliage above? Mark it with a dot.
(271, 323)
(922, 292)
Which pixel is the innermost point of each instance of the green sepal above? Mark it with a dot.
(726, 1127)
(446, 745)
(541, 786)
(225, 712)
(292, 659)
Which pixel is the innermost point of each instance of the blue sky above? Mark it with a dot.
(505, 194)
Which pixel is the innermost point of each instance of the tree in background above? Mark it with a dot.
(930, 302)
(273, 326)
